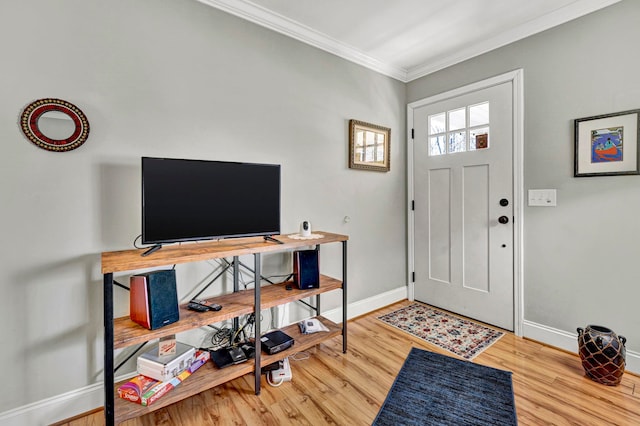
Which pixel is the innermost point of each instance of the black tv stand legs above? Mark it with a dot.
(151, 250)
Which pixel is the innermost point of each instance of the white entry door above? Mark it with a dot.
(463, 195)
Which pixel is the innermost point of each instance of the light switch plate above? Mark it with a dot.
(542, 197)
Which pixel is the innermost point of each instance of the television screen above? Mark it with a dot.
(188, 200)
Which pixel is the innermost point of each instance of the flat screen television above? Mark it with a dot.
(189, 200)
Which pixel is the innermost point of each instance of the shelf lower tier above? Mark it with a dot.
(127, 332)
(209, 376)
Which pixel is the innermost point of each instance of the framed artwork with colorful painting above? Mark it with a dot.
(607, 145)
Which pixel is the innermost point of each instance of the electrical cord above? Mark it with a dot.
(139, 237)
(250, 321)
(222, 337)
(300, 356)
(274, 384)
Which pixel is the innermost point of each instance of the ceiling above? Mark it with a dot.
(407, 39)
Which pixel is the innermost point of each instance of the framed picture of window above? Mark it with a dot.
(369, 146)
(607, 145)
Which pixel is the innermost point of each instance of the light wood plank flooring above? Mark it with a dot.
(332, 388)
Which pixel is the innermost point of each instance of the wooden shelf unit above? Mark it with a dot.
(122, 332)
(209, 376)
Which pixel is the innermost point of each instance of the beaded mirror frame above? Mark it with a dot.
(29, 123)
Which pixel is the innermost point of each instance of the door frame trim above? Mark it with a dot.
(515, 77)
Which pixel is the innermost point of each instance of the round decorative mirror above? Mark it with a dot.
(54, 124)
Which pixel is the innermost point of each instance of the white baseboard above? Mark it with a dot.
(569, 342)
(367, 305)
(88, 398)
(56, 408)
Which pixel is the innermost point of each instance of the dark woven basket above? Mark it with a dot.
(602, 353)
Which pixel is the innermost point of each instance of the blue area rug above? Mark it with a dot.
(433, 389)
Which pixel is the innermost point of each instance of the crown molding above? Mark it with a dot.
(266, 18)
(283, 25)
(552, 19)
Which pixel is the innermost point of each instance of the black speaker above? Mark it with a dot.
(306, 269)
(154, 299)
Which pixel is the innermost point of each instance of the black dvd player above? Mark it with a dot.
(276, 341)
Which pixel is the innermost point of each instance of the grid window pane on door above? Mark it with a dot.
(479, 126)
(479, 114)
(459, 130)
(437, 133)
(457, 141)
(481, 135)
(437, 145)
(457, 119)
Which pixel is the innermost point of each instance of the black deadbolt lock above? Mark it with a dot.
(504, 202)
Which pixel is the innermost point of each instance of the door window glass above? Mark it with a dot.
(479, 114)
(457, 119)
(459, 130)
(437, 145)
(457, 142)
(437, 123)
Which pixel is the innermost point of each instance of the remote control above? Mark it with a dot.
(203, 306)
(214, 307)
(197, 307)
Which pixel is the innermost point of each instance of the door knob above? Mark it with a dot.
(503, 220)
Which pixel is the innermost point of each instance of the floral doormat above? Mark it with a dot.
(459, 336)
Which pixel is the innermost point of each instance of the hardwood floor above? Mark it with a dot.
(332, 388)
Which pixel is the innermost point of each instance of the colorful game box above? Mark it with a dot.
(145, 390)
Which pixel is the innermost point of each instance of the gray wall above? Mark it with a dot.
(176, 79)
(581, 257)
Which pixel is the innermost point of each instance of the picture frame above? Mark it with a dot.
(369, 146)
(607, 145)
